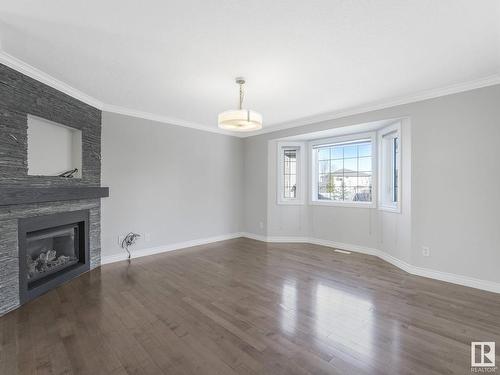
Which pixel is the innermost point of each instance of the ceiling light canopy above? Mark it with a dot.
(240, 120)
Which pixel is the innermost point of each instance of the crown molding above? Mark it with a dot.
(375, 106)
(57, 84)
(37, 74)
(31, 71)
(163, 119)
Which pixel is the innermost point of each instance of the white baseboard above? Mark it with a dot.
(254, 236)
(288, 239)
(344, 246)
(407, 267)
(453, 278)
(106, 259)
(471, 282)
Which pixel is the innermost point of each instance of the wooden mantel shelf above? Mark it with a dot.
(19, 195)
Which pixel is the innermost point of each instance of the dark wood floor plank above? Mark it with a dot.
(247, 307)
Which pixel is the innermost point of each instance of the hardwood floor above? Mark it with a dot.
(247, 307)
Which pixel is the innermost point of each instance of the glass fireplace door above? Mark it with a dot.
(51, 250)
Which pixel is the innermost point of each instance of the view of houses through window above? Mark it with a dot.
(289, 174)
(343, 169)
(344, 172)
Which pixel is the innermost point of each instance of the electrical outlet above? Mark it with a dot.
(426, 252)
(261, 225)
(147, 237)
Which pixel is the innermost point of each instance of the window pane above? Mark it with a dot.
(324, 166)
(365, 149)
(337, 180)
(337, 152)
(349, 193)
(290, 155)
(336, 166)
(364, 179)
(350, 165)
(324, 153)
(344, 172)
(351, 151)
(395, 171)
(351, 181)
(323, 191)
(365, 164)
(289, 174)
(363, 194)
(324, 178)
(290, 188)
(337, 193)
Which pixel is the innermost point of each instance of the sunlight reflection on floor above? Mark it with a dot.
(344, 317)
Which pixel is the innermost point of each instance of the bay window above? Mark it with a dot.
(356, 170)
(290, 173)
(342, 171)
(389, 140)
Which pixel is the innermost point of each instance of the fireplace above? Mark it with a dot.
(52, 249)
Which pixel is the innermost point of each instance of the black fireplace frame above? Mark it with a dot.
(36, 223)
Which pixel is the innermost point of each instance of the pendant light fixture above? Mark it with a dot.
(241, 120)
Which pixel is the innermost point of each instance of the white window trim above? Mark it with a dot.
(301, 173)
(382, 205)
(313, 175)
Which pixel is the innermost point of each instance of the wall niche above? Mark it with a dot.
(53, 148)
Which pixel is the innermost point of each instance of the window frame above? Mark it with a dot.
(383, 203)
(372, 136)
(301, 171)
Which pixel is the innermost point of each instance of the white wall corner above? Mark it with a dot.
(254, 236)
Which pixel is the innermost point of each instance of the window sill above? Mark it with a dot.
(344, 204)
(290, 203)
(393, 209)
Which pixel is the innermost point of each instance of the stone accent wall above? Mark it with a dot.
(20, 96)
(9, 255)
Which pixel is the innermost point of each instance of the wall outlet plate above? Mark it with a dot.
(426, 252)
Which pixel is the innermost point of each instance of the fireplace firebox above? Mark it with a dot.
(52, 249)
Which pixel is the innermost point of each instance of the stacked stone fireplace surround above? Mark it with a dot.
(21, 95)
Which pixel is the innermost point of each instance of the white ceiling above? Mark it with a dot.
(178, 59)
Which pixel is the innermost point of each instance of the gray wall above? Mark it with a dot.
(454, 188)
(175, 183)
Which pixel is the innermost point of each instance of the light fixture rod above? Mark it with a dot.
(241, 81)
(241, 95)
